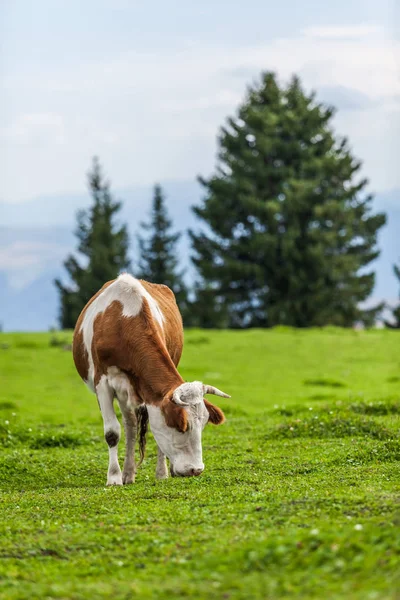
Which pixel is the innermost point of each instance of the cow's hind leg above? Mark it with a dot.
(130, 426)
(161, 469)
(112, 430)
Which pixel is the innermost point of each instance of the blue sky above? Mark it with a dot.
(146, 86)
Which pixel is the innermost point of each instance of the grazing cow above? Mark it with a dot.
(127, 344)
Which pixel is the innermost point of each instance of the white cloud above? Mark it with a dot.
(36, 127)
(343, 31)
(23, 261)
(155, 116)
(19, 254)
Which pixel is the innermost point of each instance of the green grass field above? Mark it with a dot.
(299, 497)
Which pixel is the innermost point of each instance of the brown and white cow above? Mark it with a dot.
(127, 344)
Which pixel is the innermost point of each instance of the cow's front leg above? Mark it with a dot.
(112, 430)
(161, 469)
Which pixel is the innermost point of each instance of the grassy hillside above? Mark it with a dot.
(299, 497)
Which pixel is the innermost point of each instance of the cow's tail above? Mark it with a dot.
(142, 417)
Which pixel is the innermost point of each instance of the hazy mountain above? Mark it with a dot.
(36, 236)
(60, 209)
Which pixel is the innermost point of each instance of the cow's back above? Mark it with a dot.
(171, 331)
(172, 324)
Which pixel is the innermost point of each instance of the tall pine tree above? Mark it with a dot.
(290, 232)
(103, 248)
(394, 323)
(158, 254)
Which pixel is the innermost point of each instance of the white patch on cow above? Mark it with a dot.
(112, 429)
(189, 393)
(183, 449)
(131, 283)
(122, 387)
(130, 293)
(127, 401)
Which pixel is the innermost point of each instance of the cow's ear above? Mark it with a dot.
(215, 414)
(175, 416)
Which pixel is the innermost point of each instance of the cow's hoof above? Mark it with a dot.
(114, 480)
(128, 478)
(162, 474)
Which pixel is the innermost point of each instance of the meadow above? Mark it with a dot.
(299, 497)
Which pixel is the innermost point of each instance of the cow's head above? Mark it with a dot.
(178, 422)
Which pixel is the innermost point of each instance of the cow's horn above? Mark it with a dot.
(178, 401)
(210, 389)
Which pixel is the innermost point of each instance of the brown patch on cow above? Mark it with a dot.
(134, 345)
(175, 416)
(80, 355)
(172, 332)
(215, 414)
(146, 352)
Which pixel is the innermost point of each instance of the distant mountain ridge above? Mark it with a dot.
(36, 236)
(60, 209)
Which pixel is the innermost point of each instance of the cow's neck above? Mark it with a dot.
(158, 377)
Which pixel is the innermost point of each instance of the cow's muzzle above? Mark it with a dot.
(187, 472)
